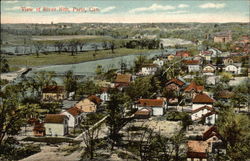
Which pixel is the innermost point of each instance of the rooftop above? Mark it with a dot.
(176, 81)
(194, 86)
(54, 118)
(151, 102)
(53, 89)
(74, 111)
(95, 99)
(202, 98)
(123, 78)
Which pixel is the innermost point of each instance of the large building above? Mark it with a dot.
(223, 37)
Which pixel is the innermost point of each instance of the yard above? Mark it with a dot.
(66, 58)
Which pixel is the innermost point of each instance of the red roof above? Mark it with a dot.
(191, 62)
(95, 99)
(202, 98)
(182, 53)
(123, 78)
(150, 65)
(176, 81)
(206, 52)
(212, 131)
(197, 149)
(54, 118)
(203, 107)
(194, 86)
(151, 102)
(74, 111)
(53, 89)
(144, 111)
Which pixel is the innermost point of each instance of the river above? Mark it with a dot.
(88, 68)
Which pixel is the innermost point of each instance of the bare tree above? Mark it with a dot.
(59, 45)
(90, 138)
(39, 46)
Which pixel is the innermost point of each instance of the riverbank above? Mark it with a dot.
(66, 58)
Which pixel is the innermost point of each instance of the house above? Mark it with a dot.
(182, 54)
(192, 89)
(149, 69)
(159, 62)
(193, 65)
(233, 68)
(215, 52)
(143, 113)
(228, 61)
(222, 37)
(158, 106)
(170, 57)
(89, 104)
(75, 116)
(53, 94)
(204, 113)
(207, 55)
(208, 69)
(105, 96)
(174, 84)
(56, 125)
(39, 129)
(197, 150)
(122, 80)
(200, 100)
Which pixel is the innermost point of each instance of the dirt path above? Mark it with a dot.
(49, 153)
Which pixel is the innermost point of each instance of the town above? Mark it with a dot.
(125, 81)
(183, 103)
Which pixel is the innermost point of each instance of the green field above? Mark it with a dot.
(66, 58)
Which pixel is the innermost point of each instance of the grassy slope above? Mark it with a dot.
(66, 58)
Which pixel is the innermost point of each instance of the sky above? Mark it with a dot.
(124, 11)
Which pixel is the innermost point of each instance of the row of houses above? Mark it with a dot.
(59, 124)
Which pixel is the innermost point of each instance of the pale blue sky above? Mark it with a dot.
(128, 11)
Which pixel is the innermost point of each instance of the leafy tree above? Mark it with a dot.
(13, 115)
(99, 70)
(241, 94)
(70, 82)
(140, 88)
(41, 80)
(235, 130)
(4, 65)
(88, 87)
(115, 118)
(139, 62)
(226, 77)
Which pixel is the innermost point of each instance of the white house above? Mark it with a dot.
(205, 112)
(149, 69)
(75, 116)
(200, 100)
(56, 125)
(193, 65)
(105, 96)
(233, 68)
(158, 62)
(208, 69)
(158, 106)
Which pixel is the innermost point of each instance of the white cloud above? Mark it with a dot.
(183, 6)
(13, 9)
(153, 7)
(212, 5)
(11, 1)
(104, 10)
